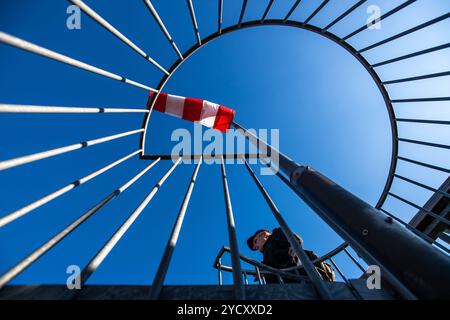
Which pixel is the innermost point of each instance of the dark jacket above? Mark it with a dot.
(276, 255)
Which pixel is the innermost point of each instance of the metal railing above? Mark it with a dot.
(307, 24)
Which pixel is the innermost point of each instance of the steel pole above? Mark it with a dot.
(235, 260)
(170, 246)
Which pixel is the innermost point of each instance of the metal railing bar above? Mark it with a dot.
(412, 204)
(407, 32)
(309, 267)
(417, 232)
(21, 108)
(245, 277)
(241, 16)
(356, 262)
(423, 164)
(423, 121)
(346, 13)
(33, 48)
(412, 55)
(219, 272)
(220, 17)
(266, 12)
(323, 258)
(7, 164)
(435, 145)
(161, 272)
(258, 275)
(353, 290)
(237, 280)
(56, 194)
(291, 11)
(95, 262)
(105, 24)
(422, 185)
(384, 16)
(322, 5)
(194, 21)
(423, 77)
(318, 260)
(265, 269)
(436, 99)
(35, 255)
(163, 28)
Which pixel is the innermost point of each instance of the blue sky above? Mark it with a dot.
(329, 112)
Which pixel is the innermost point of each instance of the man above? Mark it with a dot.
(277, 253)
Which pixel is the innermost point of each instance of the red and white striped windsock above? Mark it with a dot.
(204, 112)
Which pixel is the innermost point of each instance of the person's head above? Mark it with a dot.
(258, 239)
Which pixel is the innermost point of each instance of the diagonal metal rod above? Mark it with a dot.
(412, 204)
(310, 270)
(291, 11)
(160, 274)
(412, 55)
(417, 232)
(442, 193)
(235, 261)
(384, 16)
(322, 5)
(435, 145)
(162, 27)
(33, 48)
(20, 108)
(7, 164)
(241, 16)
(407, 32)
(194, 21)
(346, 13)
(423, 77)
(56, 194)
(35, 255)
(356, 262)
(352, 288)
(110, 244)
(105, 24)
(423, 121)
(266, 12)
(423, 164)
(220, 17)
(436, 99)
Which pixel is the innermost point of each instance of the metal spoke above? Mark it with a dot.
(423, 77)
(20, 108)
(291, 11)
(241, 17)
(160, 274)
(194, 21)
(346, 13)
(407, 32)
(35, 255)
(7, 164)
(386, 15)
(33, 48)
(56, 194)
(322, 5)
(162, 27)
(237, 279)
(105, 24)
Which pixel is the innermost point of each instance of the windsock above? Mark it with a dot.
(204, 112)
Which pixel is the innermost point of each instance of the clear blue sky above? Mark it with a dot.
(330, 115)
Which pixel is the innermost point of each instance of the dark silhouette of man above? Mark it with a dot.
(277, 253)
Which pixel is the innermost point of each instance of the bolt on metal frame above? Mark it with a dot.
(236, 256)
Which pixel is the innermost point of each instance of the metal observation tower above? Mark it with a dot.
(412, 255)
